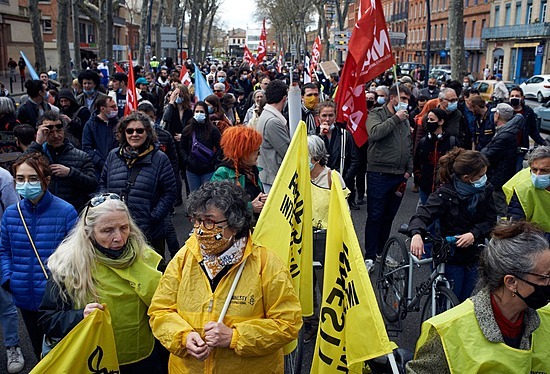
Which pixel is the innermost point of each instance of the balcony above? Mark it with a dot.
(435, 44)
(534, 30)
(470, 44)
(119, 21)
(399, 17)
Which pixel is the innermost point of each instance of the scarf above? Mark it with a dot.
(128, 257)
(131, 155)
(215, 263)
(468, 192)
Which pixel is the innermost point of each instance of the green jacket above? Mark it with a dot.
(390, 143)
(223, 173)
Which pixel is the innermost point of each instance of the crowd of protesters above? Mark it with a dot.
(465, 157)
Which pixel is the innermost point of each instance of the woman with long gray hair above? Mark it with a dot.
(505, 327)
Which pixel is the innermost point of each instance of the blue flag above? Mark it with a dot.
(29, 66)
(202, 89)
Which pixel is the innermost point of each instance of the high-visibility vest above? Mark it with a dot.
(468, 351)
(534, 201)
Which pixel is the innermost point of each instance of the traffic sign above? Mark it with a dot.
(168, 37)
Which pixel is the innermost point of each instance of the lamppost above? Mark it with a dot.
(428, 43)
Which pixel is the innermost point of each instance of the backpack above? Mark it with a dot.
(200, 152)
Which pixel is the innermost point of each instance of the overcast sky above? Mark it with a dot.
(238, 13)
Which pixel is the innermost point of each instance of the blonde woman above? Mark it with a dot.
(105, 261)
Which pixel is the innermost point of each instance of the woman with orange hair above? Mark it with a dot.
(241, 148)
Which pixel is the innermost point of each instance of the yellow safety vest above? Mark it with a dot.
(128, 293)
(320, 197)
(534, 201)
(468, 351)
(154, 64)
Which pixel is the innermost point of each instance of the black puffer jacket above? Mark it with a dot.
(502, 152)
(81, 181)
(446, 205)
(211, 141)
(151, 197)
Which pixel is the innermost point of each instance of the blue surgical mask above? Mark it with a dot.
(400, 106)
(89, 92)
(381, 100)
(47, 95)
(481, 182)
(28, 191)
(540, 181)
(200, 117)
(210, 110)
(452, 107)
(221, 79)
(179, 100)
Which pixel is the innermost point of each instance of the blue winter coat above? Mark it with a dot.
(49, 222)
(151, 197)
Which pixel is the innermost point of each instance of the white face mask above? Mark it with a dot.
(112, 114)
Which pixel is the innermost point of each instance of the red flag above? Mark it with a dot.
(118, 69)
(248, 57)
(263, 45)
(369, 55)
(184, 75)
(315, 55)
(280, 64)
(131, 94)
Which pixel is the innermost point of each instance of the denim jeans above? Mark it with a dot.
(197, 180)
(382, 206)
(463, 279)
(10, 319)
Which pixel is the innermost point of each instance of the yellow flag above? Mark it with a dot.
(351, 328)
(285, 224)
(88, 348)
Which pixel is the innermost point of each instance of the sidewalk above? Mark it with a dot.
(17, 90)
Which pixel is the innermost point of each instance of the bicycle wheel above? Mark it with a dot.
(293, 361)
(445, 299)
(393, 277)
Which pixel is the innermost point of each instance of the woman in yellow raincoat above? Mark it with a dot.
(264, 313)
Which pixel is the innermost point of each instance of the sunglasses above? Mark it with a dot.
(218, 91)
(98, 200)
(206, 223)
(131, 131)
(58, 126)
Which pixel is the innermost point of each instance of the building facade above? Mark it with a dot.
(518, 39)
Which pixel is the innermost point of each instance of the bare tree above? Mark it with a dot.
(143, 32)
(109, 32)
(36, 30)
(76, 34)
(456, 39)
(160, 16)
(64, 72)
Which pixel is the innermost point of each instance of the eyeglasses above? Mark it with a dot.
(545, 277)
(451, 100)
(218, 91)
(33, 181)
(58, 126)
(131, 131)
(98, 200)
(206, 223)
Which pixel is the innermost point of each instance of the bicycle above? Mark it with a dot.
(396, 275)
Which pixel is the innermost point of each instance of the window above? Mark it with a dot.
(529, 12)
(497, 15)
(5, 2)
(83, 38)
(441, 32)
(473, 29)
(483, 22)
(518, 13)
(507, 14)
(91, 33)
(466, 3)
(543, 11)
(434, 33)
(46, 25)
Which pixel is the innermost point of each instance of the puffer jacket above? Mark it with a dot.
(446, 205)
(49, 222)
(151, 197)
(502, 152)
(264, 314)
(98, 139)
(390, 143)
(81, 181)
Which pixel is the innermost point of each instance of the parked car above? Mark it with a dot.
(543, 112)
(408, 67)
(486, 88)
(442, 67)
(442, 75)
(538, 86)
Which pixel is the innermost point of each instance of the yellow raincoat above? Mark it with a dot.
(264, 313)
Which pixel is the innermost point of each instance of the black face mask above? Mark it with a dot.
(370, 104)
(432, 126)
(110, 253)
(515, 101)
(539, 298)
(431, 88)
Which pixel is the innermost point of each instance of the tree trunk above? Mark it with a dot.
(158, 47)
(209, 32)
(76, 34)
(64, 72)
(109, 34)
(181, 36)
(143, 31)
(456, 39)
(102, 30)
(36, 29)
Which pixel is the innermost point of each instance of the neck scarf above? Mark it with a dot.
(126, 259)
(131, 155)
(468, 192)
(215, 263)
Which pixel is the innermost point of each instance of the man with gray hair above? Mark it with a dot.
(527, 193)
(383, 93)
(502, 152)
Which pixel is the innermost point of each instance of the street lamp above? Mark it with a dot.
(428, 42)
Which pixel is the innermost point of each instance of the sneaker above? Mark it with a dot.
(370, 265)
(16, 362)
(378, 258)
